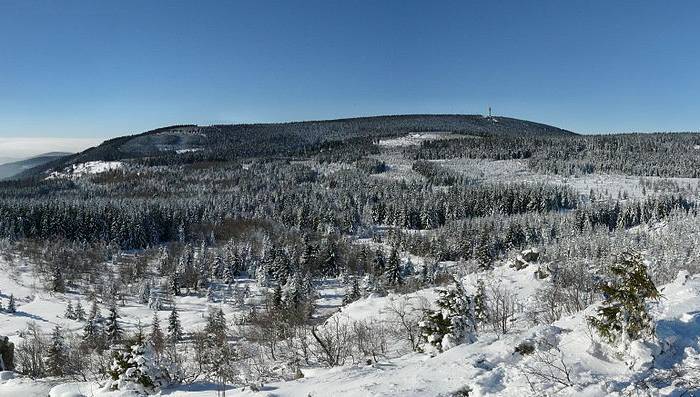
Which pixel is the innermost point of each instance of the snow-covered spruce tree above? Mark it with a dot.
(210, 294)
(137, 370)
(57, 283)
(481, 310)
(174, 327)
(70, 312)
(174, 285)
(145, 295)
(56, 358)
(11, 305)
(79, 312)
(156, 337)
(392, 274)
(93, 337)
(353, 291)
(216, 325)
(262, 276)
(138, 338)
(623, 316)
(113, 330)
(378, 263)
(455, 321)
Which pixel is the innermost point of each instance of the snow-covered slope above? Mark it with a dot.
(569, 360)
(88, 168)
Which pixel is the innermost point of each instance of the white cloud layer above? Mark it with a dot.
(19, 148)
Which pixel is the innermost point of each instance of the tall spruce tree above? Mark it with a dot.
(11, 305)
(392, 274)
(156, 336)
(113, 330)
(56, 355)
(174, 327)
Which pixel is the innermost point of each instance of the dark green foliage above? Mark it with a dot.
(353, 292)
(439, 175)
(623, 314)
(392, 274)
(453, 323)
(113, 330)
(56, 355)
(664, 155)
(371, 165)
(11, 305)
(174, 327)
(156, 337)
(7, 354)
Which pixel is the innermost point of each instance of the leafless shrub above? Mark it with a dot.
(502, 305)
(332, 342)
(405, 314)
(549, 367)
(370, 339)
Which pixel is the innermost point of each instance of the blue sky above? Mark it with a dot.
(86, 69)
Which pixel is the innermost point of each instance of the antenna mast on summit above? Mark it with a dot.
(489, 111)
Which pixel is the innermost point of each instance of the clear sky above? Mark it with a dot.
(86, 69)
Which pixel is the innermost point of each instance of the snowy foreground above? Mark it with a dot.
(572, 362)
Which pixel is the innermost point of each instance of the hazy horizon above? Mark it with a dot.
(19, 148)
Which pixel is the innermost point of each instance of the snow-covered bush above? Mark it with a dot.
(455, 321)
(623, 316)
(137, 370)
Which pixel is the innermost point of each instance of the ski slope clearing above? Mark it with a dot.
(417, 138)
(89, 168)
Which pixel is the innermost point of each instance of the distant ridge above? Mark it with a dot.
(233, 141)
(10, 170)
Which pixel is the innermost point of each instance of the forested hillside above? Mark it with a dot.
(191, 143)
(258, 257)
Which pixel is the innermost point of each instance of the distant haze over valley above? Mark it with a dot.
(18, 148)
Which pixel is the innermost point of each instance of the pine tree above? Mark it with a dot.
(623, 316)
(156, 337)
(392, 274)
(216, 325)
(139, 336)
(11, 306)
(174, 327)
(145, 295)
(378, 263)
(353, 292)
(113, 331)
(276, 302)
(175, 285)
(56, 358)
(483, 252)
(262, 276)
(137, 369)
(330, 259)
(70, 313)
(454, 323)
(480, 308)
(218, 267)
(57, 283)
(79, 311)
(92, 331)
(210, 294)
